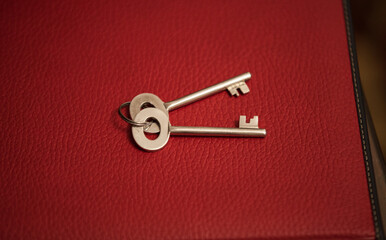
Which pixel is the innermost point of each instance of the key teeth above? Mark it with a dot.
(253, 123)
(243, 87)
(233, 91)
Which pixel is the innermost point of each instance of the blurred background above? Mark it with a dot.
(369, 19)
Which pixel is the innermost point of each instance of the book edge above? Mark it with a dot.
(359, 99)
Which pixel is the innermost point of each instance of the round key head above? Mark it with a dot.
(139, 136)
(146, 100)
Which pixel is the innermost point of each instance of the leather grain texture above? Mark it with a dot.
(71, 170)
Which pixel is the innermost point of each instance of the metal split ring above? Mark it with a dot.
(130, 121)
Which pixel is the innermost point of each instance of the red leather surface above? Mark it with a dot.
(69, 166)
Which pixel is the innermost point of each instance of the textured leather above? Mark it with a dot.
(70, 168)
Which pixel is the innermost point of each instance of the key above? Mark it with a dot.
(144, 100)
(166, 130)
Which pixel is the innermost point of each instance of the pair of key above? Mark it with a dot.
(146, 106)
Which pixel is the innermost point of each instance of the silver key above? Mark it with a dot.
(166, 130)
(143, 100)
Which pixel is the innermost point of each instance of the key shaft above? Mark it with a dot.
(217, 131)
(206, 92)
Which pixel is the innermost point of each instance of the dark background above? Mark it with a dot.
(369, 19)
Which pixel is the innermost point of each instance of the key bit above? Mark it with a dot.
(253, 123)
(242, 86)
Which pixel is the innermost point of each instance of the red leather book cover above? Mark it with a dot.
(70, 168)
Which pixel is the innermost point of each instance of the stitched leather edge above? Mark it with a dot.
(379, 234)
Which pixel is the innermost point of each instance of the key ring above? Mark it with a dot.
(128, 120)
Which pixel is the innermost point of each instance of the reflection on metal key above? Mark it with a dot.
(141, 101)
(166, 130)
